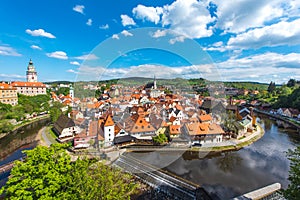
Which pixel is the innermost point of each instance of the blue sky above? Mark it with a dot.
(250, 40)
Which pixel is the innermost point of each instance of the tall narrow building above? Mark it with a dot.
(31, 74)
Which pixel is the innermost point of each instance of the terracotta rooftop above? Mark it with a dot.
(28, 84)
(4, 86)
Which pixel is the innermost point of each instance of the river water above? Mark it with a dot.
(13, 145)
(229, 174)
(223, 175)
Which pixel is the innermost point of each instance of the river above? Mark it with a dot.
(12, 145)
(224, 175)
(229, 174)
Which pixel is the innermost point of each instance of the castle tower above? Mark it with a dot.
(31, 74)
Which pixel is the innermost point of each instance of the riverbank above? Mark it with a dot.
(25, 123)
(232, 144)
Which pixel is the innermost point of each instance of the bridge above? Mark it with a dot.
(281, 118)
(165, 182)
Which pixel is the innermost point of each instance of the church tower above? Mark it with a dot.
(31, 74)
(154, 83)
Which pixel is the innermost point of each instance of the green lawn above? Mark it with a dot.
(51, 136)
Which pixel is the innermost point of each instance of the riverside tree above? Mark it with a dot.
(293, 190)
(49, 173)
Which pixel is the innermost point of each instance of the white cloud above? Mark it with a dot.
(262, 67)
(126, 33)
(237, 16)
(126, 20)
(12, 76)
(39, 32)
(79, 8)
(186, 17)
(72, 71)
(89, 22)
(281, 33)
(217, 46)
(147, 13)
(258, 67)
(159, 33)
(35, 47)
(58, 54)
(115, 36)
(74, 63)
(8, 51)
(106, 26)
(87, 57)
(177, 39)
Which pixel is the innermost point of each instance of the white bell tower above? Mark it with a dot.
(31, 74)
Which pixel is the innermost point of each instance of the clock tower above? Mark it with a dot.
(31, 74)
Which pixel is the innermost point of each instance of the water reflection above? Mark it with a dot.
(228, 161)
(23, 137)
(229, 174)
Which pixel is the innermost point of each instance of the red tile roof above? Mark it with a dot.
(29, 84)
(4, 86)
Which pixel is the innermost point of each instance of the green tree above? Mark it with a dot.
(5, 126)
(49, 173)
(160, 139)
(291, 83)
(271, 87)
(63, 90)
(55, 113)
(293, 190)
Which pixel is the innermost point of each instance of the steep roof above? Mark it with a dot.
(63, 122)
(109, 121)
(138, 124)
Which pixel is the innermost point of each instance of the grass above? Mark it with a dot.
(51, 136)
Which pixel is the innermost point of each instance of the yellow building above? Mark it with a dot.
(32, 87)
(8, 94)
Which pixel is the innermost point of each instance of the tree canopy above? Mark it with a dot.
(49, 173)
(293, 190)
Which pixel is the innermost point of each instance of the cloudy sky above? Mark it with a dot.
(249, 40)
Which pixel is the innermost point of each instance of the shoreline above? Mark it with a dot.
(215, 148)
(25, 123)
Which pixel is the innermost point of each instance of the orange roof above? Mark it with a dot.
(28, 84)
(109, 121)
(178, 107)
(205, 118)
(172, 119)
(4, 86)
(175, 129)
(203, 129)
(137, 123)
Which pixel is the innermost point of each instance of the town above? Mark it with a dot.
(148, 114)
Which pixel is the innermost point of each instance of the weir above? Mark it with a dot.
(175, 187)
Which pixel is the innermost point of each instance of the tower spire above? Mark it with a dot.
(154, 83)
